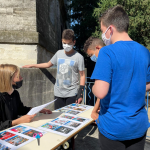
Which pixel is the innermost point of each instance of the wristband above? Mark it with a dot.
(80, 92)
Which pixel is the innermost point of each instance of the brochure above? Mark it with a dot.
(65, 125)
(17, 137)
(37, 109)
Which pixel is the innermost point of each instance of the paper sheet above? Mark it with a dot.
(65, 125)
(37, 109)
(18, 136)
(74, 109)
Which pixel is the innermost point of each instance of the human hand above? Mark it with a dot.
(27, 66)
(23, 119)
(79, 100)
(94, 115)
(46, 111)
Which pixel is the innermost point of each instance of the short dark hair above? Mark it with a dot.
(92, 42)
(68, 34)
(116, 16)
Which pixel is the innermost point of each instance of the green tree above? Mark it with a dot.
(83, 23)
(139, 16)
(82, 20)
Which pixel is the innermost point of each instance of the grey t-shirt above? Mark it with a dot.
(68, 67)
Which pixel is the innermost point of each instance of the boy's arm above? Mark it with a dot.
(82, 84)
(100, 88)
(42, 65)
(95, 112)
(82, 78)
(147, 86)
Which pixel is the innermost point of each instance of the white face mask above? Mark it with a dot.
(67, 47)
(105, 40)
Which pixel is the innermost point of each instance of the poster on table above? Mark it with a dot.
(65, 125)
(74, 109)
(17, 137)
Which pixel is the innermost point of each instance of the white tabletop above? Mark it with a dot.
(51, 141)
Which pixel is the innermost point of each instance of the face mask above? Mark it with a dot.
(94, 58)
(18, 85)
(105, 40)
(67, 47)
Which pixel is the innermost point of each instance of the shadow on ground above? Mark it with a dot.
(87, 139)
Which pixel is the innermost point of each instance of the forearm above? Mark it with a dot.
(97, 105)
(147, 86)
(15, 122)
(42, 65)
(82, 80)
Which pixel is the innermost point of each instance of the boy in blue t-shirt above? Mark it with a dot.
(120, 74)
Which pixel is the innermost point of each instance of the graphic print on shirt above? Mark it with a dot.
(64, 72)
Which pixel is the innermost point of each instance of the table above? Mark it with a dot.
(51, 141)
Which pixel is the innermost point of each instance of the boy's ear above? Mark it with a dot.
(98, 47)
(74, 42)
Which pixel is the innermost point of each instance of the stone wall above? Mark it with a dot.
(50, 23)
(30, 30)
(38, 86)
(18, 15)
(23, 54)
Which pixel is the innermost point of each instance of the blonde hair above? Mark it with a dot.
(7, 72)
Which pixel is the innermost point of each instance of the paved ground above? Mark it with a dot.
(87, 139)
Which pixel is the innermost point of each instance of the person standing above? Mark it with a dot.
(70, 64)
(92, 46)
(120, 74)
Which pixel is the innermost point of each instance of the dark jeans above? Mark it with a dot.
(61, 102)
(135, 144)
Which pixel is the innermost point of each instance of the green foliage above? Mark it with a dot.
(85, 15)
(139, 16)
(83, 21)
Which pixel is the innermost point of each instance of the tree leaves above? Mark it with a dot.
(139, 16)
(85, 14)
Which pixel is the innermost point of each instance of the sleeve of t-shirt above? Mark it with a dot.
(81, 63)
(148, 75)
(103, 67)
(54, 59)
(148, 71)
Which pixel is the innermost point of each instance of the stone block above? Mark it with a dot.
(35, 92)
(29, 4)
(24, 11)
(29, 21)
(49, 96)
(50, 85)
(31, 89)
(40, 86)
(29, 28)
(30, 37)
(3, 10)
(13, 36)
(9, 10)
(11, 3)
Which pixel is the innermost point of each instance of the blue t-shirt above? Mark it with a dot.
(124, 65)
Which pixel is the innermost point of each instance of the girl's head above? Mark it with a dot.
(9, 75)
